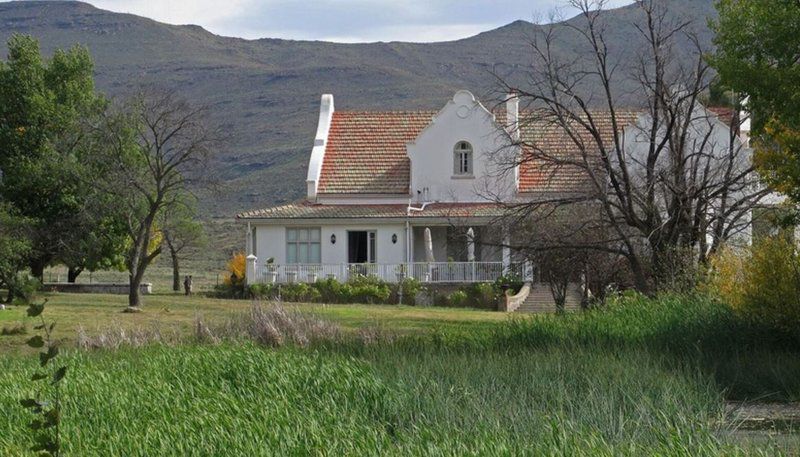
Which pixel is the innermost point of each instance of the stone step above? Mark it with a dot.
(540, 300)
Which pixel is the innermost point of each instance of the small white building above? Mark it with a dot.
(417, 193)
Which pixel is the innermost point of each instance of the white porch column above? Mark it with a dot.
(250, 269)
(248, 241)
(506, 251)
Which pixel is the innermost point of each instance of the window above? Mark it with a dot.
(462, 159)
(303, 245)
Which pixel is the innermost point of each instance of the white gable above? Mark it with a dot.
(433, 174)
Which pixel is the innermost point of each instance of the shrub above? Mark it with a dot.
(481, 295)
(441, 300)
(299, 292)
(233, 285)
(762, 283)
(332, 291)
(410, 288)
(263, 291)
(511, 282)
(727, 277)
(369, 289)
(359, 289)
(458, 299)
(23, 288)
(235, 270)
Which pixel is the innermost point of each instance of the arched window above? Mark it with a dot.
(462, 159)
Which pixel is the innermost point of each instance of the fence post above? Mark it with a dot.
(506, 251)
(250, 269)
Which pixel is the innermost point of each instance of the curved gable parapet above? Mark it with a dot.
(436, 174)
(464, 104)
(320, 143)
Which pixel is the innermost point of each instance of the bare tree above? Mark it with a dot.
(628, 134)
(158, 148)
(182, 234)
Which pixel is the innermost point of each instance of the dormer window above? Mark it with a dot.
(462, 159)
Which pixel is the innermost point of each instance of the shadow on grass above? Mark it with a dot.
(746, 360)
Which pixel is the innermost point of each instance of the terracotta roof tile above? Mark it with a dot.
(552, 155)
(307, 210)
(724, 114)
(366, 151)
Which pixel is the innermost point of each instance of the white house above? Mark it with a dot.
(377, 181)
(405, 192)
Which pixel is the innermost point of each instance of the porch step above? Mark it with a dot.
(540, 300)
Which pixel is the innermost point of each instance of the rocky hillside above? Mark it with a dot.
(266, 92)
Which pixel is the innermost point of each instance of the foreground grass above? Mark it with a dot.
(245, 400)
(642, 377)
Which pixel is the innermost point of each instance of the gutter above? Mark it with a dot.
(409, 210)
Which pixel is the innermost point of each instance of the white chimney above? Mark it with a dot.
(326, 110)
(744, 127)
(512, 115)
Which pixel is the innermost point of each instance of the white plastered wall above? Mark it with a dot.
(432, 160)
(271, 241)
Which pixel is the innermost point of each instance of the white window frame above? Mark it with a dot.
(463, 159)
(303, 245)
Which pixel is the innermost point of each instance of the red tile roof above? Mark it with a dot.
(308, 210)
(366, 152)
(553, 158)
(724, 113)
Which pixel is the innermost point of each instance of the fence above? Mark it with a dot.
(428, 272)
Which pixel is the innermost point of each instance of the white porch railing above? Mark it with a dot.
(429, 272)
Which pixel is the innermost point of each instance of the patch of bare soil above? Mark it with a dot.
(754, 425)
(764, 416)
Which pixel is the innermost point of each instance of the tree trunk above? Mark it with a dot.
(134, 298)
(37, 270)
(73, 273)
(176, 273)
(639, 277)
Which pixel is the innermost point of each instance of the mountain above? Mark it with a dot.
(265, 93)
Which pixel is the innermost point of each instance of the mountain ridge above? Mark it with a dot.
(265, 92)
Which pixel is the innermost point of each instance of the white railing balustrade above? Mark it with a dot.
(426, 272)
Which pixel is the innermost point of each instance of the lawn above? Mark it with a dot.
(643, 377)
(174, 313)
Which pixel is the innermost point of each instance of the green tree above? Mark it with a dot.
(15, 247)
(758, 55)
(47, 108)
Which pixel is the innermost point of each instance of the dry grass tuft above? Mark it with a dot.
(119, 336)
(271, 325)
(375, 335)
(14, 329)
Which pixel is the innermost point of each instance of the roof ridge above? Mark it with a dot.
(367, 111)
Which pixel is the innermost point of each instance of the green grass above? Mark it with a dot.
(244, 400)
(177, 314)
(645, 377)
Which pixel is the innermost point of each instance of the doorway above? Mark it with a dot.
(361, 247)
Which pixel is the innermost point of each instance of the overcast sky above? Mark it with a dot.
(342, 20)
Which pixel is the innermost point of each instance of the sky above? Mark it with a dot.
(344, 20)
